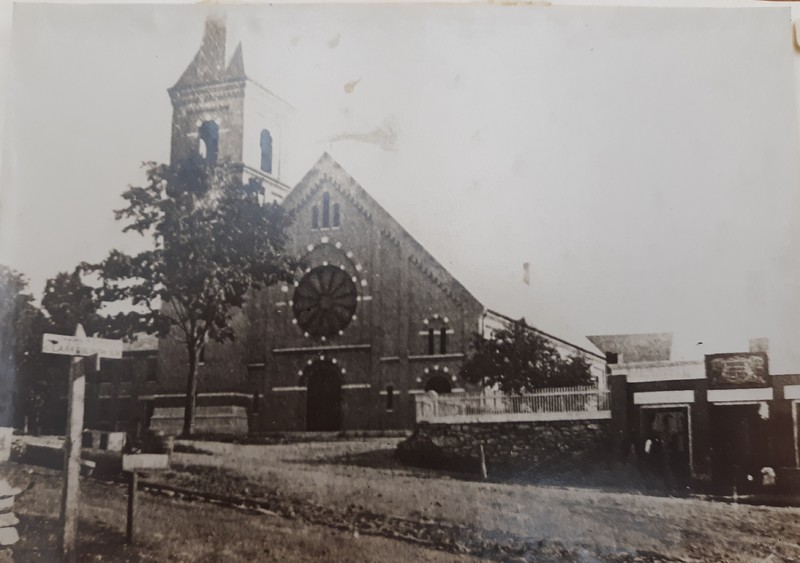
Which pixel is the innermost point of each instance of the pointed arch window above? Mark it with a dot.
(326, 210)
(209, 142)
(266, 151)
(389, 398)
(326, 215)
(435, 336)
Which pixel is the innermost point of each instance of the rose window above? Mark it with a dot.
(324, 301)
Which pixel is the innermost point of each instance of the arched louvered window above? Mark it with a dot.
(209, 142)
(336, 216)
(266, 151)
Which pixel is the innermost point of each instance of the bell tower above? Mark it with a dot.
(223, 117)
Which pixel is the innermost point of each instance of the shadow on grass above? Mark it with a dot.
(39, 541)
(607, 476)
(386, 459)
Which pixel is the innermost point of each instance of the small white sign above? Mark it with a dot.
(81, 346)
(134, 462)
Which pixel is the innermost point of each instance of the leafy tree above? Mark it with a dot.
(69, 301)
(29, 382)
(518, 360)
(213, 244)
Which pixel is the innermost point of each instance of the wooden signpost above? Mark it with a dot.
(132, 463)
(79, 347)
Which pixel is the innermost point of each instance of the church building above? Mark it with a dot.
(372, 321)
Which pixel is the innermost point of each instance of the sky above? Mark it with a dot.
(644, 161)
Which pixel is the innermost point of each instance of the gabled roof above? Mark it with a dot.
(510, 297)
(328, 173)
(564, 337)
(209, 64)
(649, 347)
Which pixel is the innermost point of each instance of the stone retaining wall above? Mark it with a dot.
(509, 446)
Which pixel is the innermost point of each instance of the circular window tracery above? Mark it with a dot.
(325, 301)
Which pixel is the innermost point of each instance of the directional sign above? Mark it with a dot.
(81, 346)
(134, 462)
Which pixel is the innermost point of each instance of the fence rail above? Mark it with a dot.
(562, 403)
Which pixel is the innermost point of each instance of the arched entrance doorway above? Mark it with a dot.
(439, 384)
(324, 397)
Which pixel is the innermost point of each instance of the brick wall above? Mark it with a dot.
(545, 445)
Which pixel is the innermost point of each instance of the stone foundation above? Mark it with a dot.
(221, 420)
(544, 446)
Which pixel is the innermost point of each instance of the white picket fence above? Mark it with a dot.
(558, 403)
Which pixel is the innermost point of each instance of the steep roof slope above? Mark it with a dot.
(326, 171)
(509, 296)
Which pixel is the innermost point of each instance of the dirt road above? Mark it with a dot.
(364, 476)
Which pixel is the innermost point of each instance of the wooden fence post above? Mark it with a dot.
(133, 483)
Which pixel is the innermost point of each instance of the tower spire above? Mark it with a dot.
(208, 64)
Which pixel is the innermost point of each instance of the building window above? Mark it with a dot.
(612, 357)
(431, 342)
(326, 210)
(105, 390)
(152, 369)
(389, 398)
(209, 142)
(335, 214)
(443, 341)
(266, 151)
(125, 370)
(149, 408)
(105, 414)
(202, 358)
(256, 402)
(315, 218)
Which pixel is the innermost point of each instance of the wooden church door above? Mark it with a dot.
(324, 398)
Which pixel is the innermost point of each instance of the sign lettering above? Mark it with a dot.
(81, 346)
(738, 370)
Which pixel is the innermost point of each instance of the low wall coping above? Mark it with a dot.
(521, 417)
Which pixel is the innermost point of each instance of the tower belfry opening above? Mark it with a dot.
(228, 119)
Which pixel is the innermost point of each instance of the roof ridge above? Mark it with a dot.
(445, 279)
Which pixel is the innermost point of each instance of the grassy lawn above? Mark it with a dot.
(174, 530)
(364, 474)
(352, 501)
